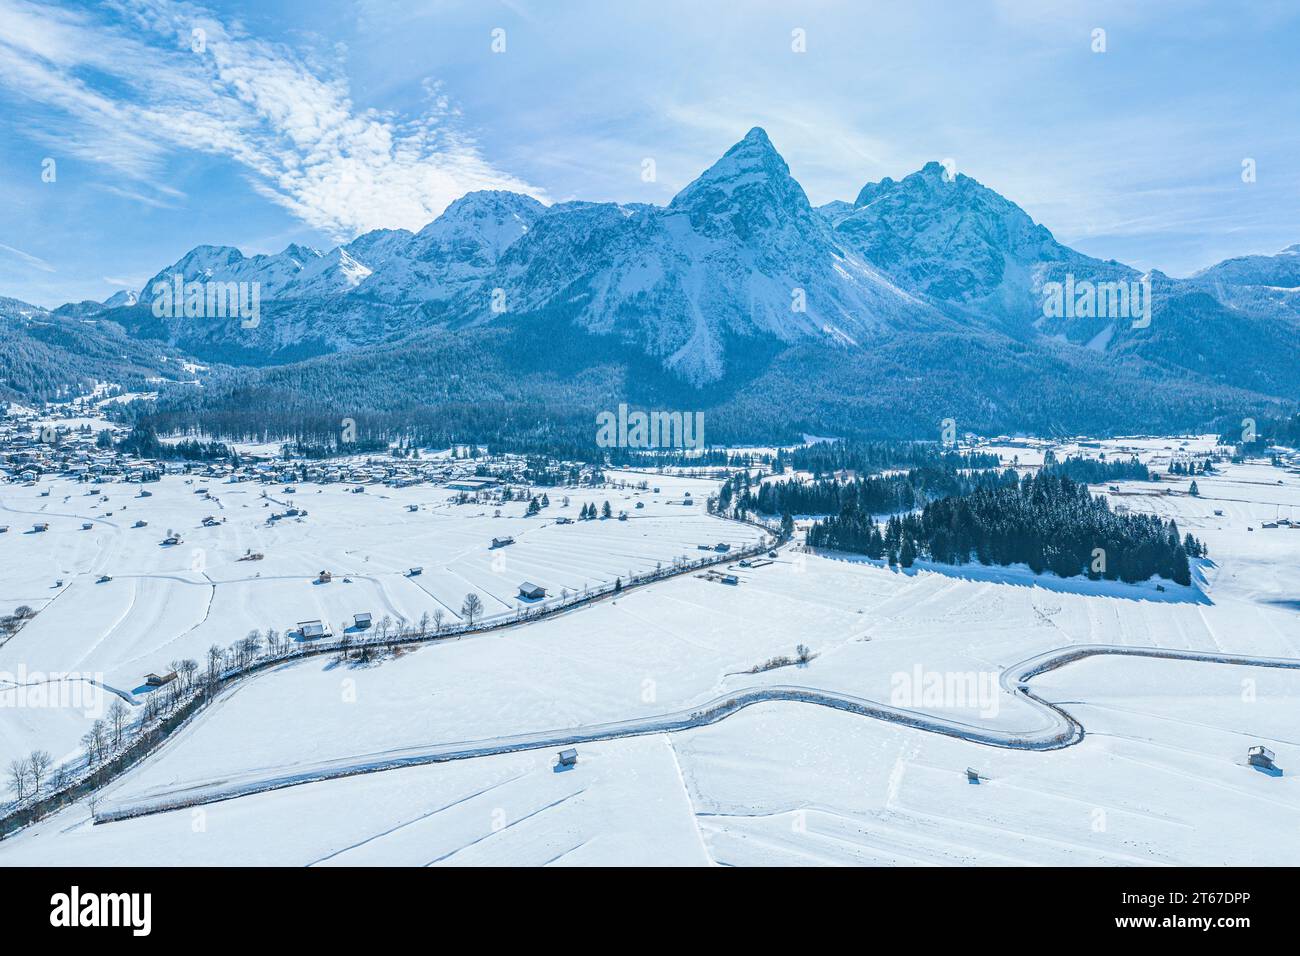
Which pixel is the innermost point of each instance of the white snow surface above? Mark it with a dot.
(1159, 778)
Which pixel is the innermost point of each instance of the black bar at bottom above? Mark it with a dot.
(332, 906)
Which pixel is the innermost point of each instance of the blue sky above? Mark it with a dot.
(315, 121)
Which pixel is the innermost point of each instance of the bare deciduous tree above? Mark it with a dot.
(38, 767)
(472, 608)
(152, 710)
(215, 655)
(118, 714)
(18, 777)
(94, 740)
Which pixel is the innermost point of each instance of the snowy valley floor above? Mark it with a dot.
(1161, 777)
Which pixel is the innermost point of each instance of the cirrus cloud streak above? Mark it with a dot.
(130, 92)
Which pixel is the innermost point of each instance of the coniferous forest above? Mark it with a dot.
(1094, 471)
(879, 494)
(1046, 521)
(870, 456)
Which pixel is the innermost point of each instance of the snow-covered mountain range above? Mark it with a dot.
(739, 268)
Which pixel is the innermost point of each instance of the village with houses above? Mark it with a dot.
(140, 520)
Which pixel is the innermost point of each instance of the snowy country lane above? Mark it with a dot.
(1060, 729)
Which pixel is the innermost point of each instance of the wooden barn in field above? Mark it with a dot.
(1260, 756)
(310, 630)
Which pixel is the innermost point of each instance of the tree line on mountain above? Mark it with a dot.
(1047, 521)
(324, 433)
(537, 384)
(511, 389)
(534, 387)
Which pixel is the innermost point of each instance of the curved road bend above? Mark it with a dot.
(1061, 729)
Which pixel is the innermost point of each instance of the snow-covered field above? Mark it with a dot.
(1160, 776)
(167, 603)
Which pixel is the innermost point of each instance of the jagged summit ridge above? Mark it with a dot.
(737, 263)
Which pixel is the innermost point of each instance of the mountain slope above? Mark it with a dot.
(451, 254)
(982, 259)
(296, 273)
(737, 254)
(1265, 286)
(48, 357)
(546, 379)
(1279, 271)
(959, 243)
(381, 286)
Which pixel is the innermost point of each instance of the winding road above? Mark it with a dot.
(1060, 730)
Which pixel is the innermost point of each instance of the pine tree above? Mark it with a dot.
(1182, 571)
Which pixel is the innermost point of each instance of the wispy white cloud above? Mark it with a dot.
(33, 261)
(164, 201)
(137, 81)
